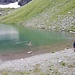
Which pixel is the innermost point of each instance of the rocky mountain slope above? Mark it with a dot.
(46, 14)
(20, 2)
(7, 1)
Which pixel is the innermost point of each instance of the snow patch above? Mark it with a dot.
(11, 5)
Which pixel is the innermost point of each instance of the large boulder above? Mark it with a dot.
(23, 2)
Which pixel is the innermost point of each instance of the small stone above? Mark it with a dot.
(29, 52)
(60, 61)
(21, 58)
(69, 12)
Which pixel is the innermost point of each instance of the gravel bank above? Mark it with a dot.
(58, 63)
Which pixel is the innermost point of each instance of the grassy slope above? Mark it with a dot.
(53, 13)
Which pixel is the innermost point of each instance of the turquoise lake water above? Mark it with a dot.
(16, 38)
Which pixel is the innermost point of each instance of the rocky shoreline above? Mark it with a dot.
(57, 63)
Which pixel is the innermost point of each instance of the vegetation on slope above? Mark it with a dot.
(46, 14)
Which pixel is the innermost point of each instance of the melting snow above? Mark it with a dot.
(11, 5)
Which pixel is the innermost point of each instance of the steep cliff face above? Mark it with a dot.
(23, 2)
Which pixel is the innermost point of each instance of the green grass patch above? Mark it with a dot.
(63, 64)
(43, 12)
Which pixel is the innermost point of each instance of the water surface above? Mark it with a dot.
(14, 38)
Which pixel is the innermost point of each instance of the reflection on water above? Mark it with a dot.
(8, 33)
(68, 35)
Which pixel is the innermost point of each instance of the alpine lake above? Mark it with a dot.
(17, 38)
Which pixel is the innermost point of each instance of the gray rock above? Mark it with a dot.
(7, 1)
(20, 2)
(23, 2)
